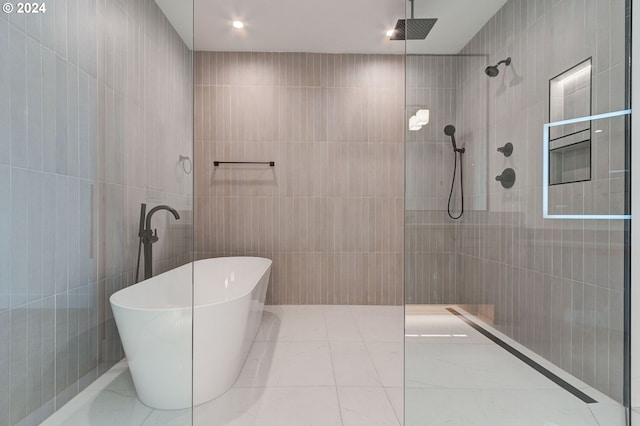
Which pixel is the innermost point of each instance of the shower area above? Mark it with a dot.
(519, 292)
(419, 217)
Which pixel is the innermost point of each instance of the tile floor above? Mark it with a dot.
(343, 365)
(468, 380)
(309, 365)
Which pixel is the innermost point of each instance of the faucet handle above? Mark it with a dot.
(154, 237)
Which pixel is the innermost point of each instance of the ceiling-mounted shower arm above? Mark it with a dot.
(411, 8)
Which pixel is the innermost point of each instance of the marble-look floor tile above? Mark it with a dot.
(608, 414)
(379, 323)
(271, 407)
(478, 366)
(388, 358)
(497, 407)
(366, 407)
(352, 364)
(396, 396)
(100, 408)
(170, 418)
(341, 325)
(441, 328)
(284, 323)
(287, 363)
(123, 384)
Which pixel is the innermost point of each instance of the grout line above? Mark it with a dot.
(333, 368)
(391, 403)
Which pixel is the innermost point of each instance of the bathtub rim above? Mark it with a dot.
(192, 306)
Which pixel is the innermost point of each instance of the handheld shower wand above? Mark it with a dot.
(450, 131)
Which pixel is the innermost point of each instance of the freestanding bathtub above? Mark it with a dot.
(155, 317)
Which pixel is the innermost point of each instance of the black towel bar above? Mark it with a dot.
(270, 163)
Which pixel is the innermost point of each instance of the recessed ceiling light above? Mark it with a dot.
(238, 24)
(390, 33)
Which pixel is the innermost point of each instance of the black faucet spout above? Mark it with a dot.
(148, 236)
(155, 209)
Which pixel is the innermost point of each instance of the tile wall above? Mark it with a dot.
(556, 285)
(429, 233)
(95, 109)
(330, 213)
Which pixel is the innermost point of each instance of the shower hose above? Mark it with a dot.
(453, 181)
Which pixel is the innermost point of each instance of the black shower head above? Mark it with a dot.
(493, 71)
(449, 130)
(412, 29)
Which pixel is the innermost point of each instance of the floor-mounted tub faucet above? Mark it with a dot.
(148, 237)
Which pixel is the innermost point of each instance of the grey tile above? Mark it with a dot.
(87, 361)
(18, 98)
(60, 28)
(48, 235)
(73, 343)
(577, 328)
(5, 367)
(34, 356)
(18, 20)
(34, 26)
(61, 121)
(616, 346)
(5, 93)
(589, 342)
(18, 364)
(603, 328)
(73, 280)
(35, 214)
(49, 106)
(49, 25)
(83, 125)
(73, 36)
(61, 234)
(5, 243)
(61, 348)
(72, 120)
(19, 229)
(92, 140)
(48, 364)
(34, 104)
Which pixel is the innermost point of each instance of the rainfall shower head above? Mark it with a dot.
(412, 29)
(493, 71)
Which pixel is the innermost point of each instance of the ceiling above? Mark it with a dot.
(327, 26)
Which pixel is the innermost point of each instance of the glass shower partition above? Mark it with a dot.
(518, 311)
(96, 101)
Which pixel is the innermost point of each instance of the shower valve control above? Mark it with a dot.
(507, 178)
(506, 150)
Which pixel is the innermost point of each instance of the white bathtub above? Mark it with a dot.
(154, 319)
